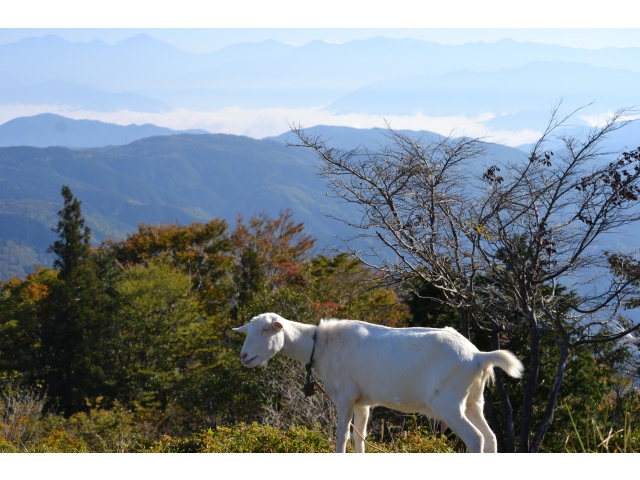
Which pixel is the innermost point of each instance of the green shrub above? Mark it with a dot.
(415, 441)
(252, 438)
(257, 438)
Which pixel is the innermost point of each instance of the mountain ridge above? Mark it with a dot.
(48, 130)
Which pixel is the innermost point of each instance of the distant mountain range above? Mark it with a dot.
(49, 130)
(382, 75)
(531, 88)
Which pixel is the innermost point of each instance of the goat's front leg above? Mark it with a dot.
(345, 412)
(361, 415)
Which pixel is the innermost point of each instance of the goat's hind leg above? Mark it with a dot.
(360, 417)
(453, 414)
(475, 414)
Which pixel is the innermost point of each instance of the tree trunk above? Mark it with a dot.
(563, 346)
(530, 387)
(510, 442)
(464, 322)
(495, 426)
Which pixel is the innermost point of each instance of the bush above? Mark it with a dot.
(23, 428)
(20, 415)
(257, 438)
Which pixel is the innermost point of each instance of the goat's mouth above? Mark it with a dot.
(247, 362)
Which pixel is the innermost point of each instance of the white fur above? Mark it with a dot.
(432, 371)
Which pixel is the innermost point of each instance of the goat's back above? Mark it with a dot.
(396, 367)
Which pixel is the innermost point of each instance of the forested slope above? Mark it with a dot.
(180, 178)
(161, 179)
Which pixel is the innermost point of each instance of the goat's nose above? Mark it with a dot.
(243, 356)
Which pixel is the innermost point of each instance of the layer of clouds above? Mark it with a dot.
(598, 119)
(260, 123)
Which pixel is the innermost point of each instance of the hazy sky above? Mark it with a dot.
(199, 40)
(578, 23)
(574, 23)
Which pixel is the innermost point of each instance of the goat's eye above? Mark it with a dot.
(265, 330)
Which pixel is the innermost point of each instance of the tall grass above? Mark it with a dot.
(598, 434)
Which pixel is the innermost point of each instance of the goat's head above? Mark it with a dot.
(265, 338)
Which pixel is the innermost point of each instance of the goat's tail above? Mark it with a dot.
(504, 359)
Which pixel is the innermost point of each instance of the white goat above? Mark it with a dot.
(432, 371)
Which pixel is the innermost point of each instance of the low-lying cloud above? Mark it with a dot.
(260, 123)
(598, 119)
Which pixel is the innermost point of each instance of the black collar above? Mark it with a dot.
(310, 364)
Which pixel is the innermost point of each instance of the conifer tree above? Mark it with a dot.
(73, 333)
(74, 243)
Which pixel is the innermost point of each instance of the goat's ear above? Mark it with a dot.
(277, 325)
(242, 329)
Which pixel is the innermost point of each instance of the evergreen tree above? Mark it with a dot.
(74, 243)
(77, 313)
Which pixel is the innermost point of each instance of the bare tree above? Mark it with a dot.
(501, 241)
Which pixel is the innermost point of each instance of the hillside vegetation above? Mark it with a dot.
(127, 347)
